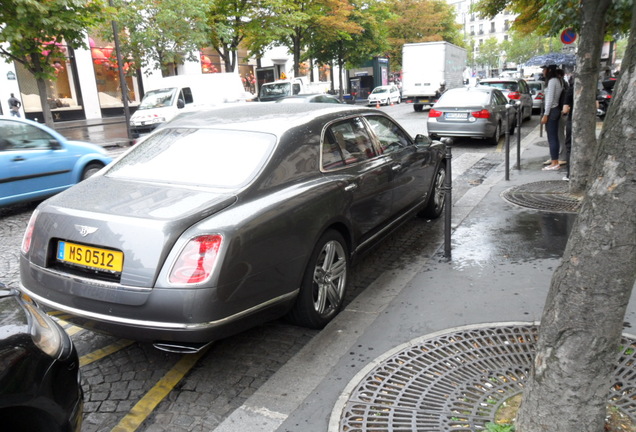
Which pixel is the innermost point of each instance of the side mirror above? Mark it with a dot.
(180, 103)
(422, 140)
(54, 144)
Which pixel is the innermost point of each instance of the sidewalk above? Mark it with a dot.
(503, 258)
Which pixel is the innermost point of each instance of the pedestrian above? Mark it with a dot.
(14, 106)
(552, 114)
(568, 106)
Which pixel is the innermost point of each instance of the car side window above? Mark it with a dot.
(390, 136)
(351, 139)
(21, 136)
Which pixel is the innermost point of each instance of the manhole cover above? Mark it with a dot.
(542, 143)
(550, 196)
(458, 380)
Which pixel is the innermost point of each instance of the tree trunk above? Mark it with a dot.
(584, 144)
(580, 331)
(44, 100)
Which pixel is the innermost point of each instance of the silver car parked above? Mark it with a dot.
(516, 90)
(224, 219)
(472, 112)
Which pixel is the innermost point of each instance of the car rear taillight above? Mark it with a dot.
(481, 114)
(539, 96)
(514, 95)
(197, 260)
(28, 234)
(434, 113)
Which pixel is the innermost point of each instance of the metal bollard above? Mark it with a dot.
(507, 148)
(519, 120)
(448, 201)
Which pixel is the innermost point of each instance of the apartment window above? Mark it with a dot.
(506, 25)
(472, 30)
(492, 27)
(481, 29)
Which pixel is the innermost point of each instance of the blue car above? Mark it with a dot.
(37, 162)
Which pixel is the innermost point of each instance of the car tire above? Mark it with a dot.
(90, 170)
(494, 140)
(324, 283)
(436, 200)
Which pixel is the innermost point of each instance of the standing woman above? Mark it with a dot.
(552, 114)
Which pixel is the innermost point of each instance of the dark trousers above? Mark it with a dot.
(568, 141)
(552, 129)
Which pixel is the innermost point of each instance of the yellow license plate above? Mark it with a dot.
(88, 256)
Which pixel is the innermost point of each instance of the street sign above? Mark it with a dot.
(568, 36)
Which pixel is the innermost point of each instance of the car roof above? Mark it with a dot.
(262, 116)
(501, 79)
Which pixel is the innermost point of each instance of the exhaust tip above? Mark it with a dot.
(180, 347)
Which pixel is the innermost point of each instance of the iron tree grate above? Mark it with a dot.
(550, 196)
(458, 381)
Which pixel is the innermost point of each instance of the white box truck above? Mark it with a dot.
(428, 68)
(166, 97)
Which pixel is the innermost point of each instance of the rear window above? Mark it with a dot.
(197, 157)
(463, 97)
(534, 86)
(502, 85)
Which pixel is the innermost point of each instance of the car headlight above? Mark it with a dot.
(45, 333)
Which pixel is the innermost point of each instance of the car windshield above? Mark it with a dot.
(505, 85)
(279, 89)
(380, 90)
(157, 98)
(463, 98)
(197, 157)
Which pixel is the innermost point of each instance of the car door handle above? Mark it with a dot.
(396, 167)
(351, 187)
(18, 159)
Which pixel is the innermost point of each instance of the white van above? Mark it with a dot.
(167, 97)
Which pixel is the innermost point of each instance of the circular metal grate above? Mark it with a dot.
(457, 381)
(550, 196)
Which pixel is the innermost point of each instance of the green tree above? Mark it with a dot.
(33, 31)
(521, 47)
(490, 53)
(353, 42)
(420, 21)
(157, 33)
(251, 22)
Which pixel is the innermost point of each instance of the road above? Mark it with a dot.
(131, 386)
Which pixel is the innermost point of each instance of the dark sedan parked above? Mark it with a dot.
(39, 379)
(226, 218)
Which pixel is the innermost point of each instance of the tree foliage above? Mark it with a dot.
(355, 43)
(155, 33)
(550, 17)
(254, 23)
(34, 32)
(420, 21)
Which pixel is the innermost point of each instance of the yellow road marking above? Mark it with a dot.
(149, 402)
(103, 352)
(73, 330)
